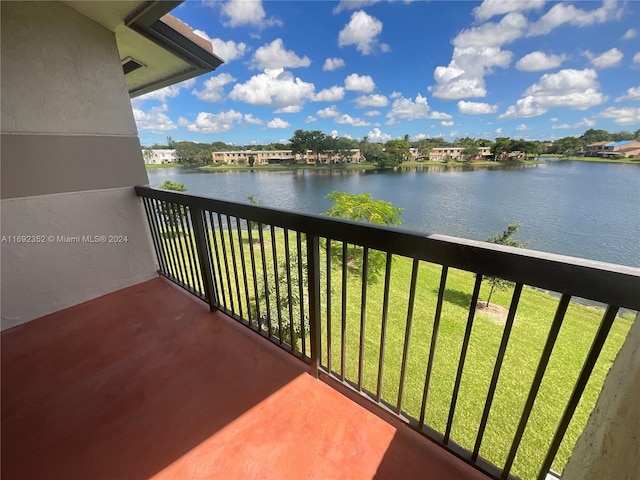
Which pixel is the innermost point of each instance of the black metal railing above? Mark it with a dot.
(392, 314)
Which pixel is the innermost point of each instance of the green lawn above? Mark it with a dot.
(534, 316)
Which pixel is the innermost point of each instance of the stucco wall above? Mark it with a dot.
(67, 126)
(609, 446)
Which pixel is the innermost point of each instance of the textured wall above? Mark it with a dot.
(609, 446)
(67, 126)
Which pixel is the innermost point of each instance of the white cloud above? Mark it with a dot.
(419, 136)
(274, 87)
(289, 109)
(155, 120)
(167, 92)
(246, 12)
(249, 118)
(610, 58)
(407, 109)
(562, 126)
(349, 120)
(359, 83)
(376, 135)
(499, 131)
(464, 76)
(536, 61)
(633, 94)
(353, 4)
(213, 88)
(577, 89)
(333, 64)
(228, 50)
(511, 27)
(215, 122)
(328, 112)
(584, 122)
(447, 123)
(636, 58)
(439, 116)
(562, 13)
(476, 52)
(274, 55)
(372, 113)
(310, 119)
(630, 34)
(476, 108)
(277, 123)
(622, 116)
(491, 8)
(332, 94)
(376, 100)
(522, 128)
(362, 31)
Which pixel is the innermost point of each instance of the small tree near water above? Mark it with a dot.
(504, 238)
(361, 208)
(173, 217)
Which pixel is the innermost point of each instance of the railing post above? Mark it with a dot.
(204, 259)
(313, 262)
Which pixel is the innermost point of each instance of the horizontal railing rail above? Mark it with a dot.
(598, 281)
(390, 313)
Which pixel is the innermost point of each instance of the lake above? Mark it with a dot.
(582, 209)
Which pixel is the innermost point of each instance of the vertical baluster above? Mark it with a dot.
(407, 333)
(363, 312)
(313, 261)
(537, 380)
(301, 292)
(235, 266)
(222, 296)
(255, 275)
(223, 247)
(511, 316)
(328, 260)
(343, 330)
(289, 292)
(578, 389)
(274, 253)
(383, 326)
(267, 287)
(244, 270)
(463, 357)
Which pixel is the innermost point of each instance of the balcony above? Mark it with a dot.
(308, 347)
(146, 382)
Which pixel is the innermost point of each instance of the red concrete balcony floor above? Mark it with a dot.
(147, 383)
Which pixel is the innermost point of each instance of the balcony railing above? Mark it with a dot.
(342, 296)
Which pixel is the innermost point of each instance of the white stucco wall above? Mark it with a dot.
(59, 268)
(61, 73)
(63, 88)
(609, 446)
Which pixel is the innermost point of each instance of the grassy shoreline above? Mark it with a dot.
(155, 166)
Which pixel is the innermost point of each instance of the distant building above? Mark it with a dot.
(443, 154)
(155, 156)
(626, 148)
(275, 157)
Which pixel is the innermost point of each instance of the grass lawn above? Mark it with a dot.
(635, 161)
(530, 329)
(155, 166)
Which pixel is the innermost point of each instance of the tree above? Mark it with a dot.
(303, 140)
(172, 215)
(252, 160)
(397, 151)
(500, 146)
(361, 208)
(504, 238)
(470, 152)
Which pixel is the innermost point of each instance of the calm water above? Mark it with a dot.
(589, 210)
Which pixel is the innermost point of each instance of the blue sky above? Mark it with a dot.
(519, 68)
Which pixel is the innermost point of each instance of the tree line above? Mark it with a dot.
(393, 152)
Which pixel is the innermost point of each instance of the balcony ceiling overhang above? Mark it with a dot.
(166, 49)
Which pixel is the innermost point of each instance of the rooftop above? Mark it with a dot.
(147, 383)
